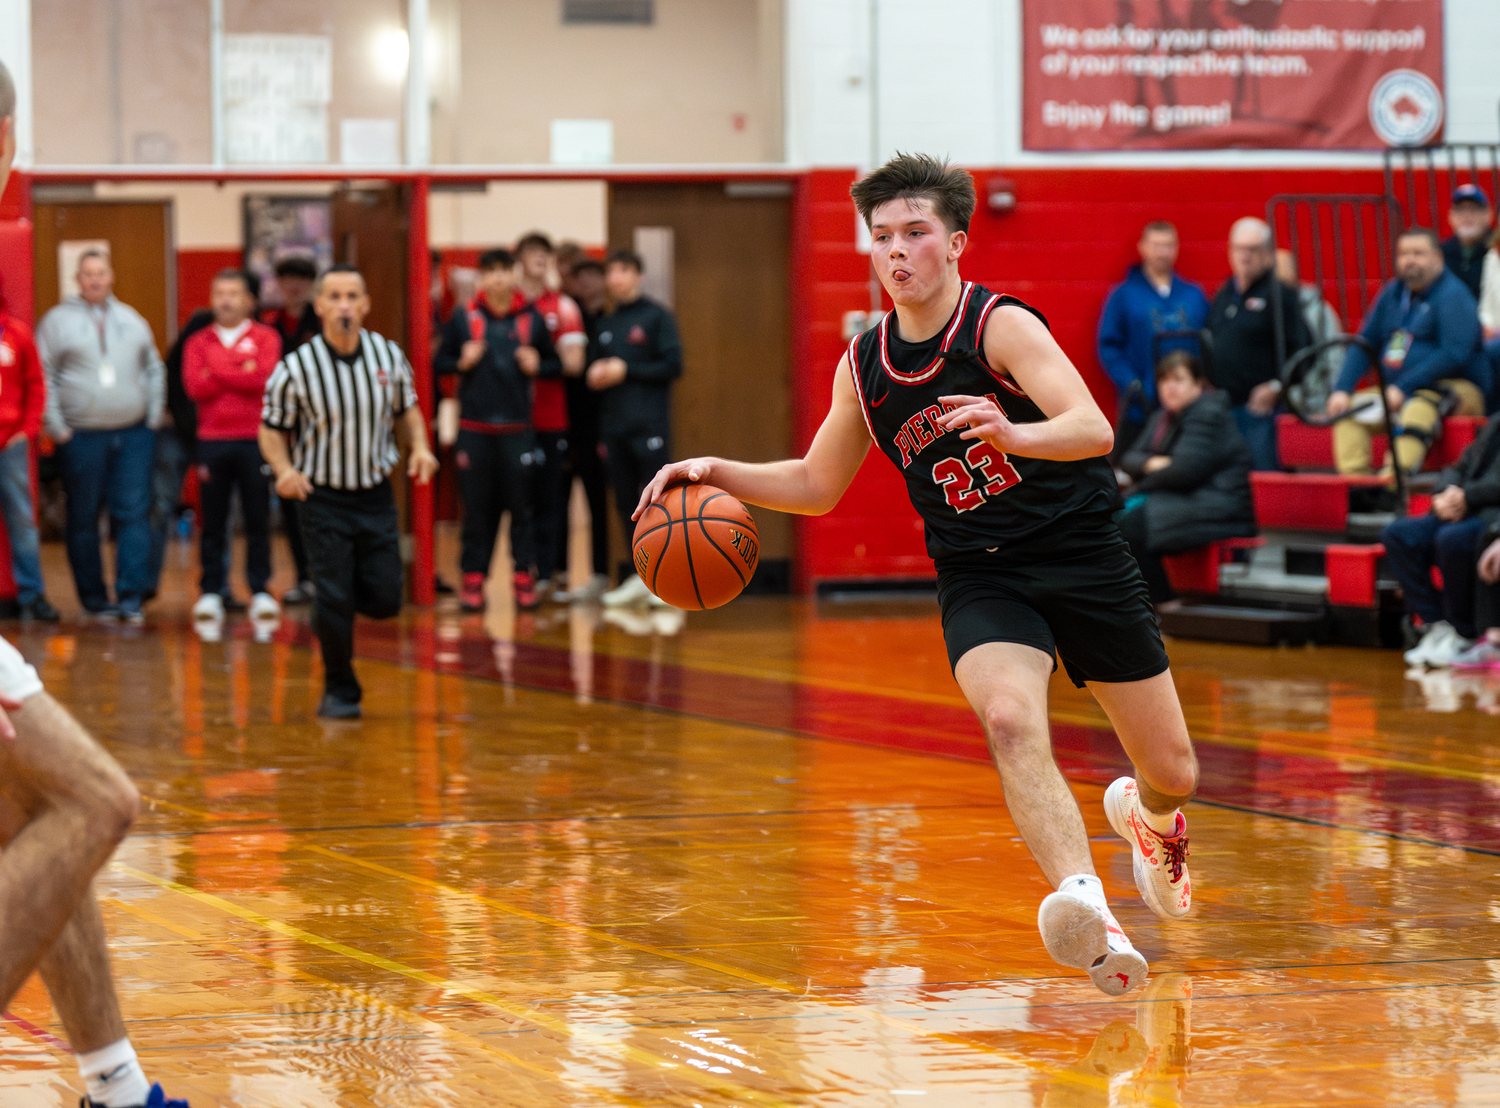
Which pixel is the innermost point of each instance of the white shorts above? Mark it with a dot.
(17, 679)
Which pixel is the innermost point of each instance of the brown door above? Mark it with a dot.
(729, 255)
(369, 231)
(141, 252)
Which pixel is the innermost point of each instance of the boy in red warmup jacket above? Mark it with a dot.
(23, 397)
(225, 369)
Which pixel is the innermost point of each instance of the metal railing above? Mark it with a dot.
(1422, 178)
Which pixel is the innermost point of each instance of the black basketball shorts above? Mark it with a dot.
(1080, 597)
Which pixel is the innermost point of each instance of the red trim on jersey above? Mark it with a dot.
(984, 316)
(852, 357)
(937, 363)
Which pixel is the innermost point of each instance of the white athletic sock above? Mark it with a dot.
(1162, 825)
(114, 1077)
(1087, 886)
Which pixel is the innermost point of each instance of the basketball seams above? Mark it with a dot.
(743, 522)
(687, 547)
(675, 581)
(703, 527)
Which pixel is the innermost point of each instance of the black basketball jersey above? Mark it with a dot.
(970, 495)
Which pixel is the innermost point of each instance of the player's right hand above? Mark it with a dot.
(692, 471)
(469, 356)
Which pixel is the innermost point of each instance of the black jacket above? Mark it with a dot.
(184, 411)
(495, 392)
(1244, 332)
(1467, 266)
(643, 335)
(1205, 493)
(1477, 470)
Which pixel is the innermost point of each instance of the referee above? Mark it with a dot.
(338, 400)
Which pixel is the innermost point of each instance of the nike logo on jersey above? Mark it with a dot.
(873, 403)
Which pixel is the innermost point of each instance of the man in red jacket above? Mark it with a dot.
(225, 369)
(23, 397)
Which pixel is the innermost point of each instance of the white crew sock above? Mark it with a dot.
(1087, 886)
(113, 1076)
(1163, 825)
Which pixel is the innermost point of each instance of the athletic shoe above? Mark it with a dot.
(1080, 932)
(1482, 655)
(1450, 650)
(263, 606)
(471, 597)
(107, 614)
(156, 1099)
(300, 593)
(40, 610)
(632, 592)
(591, 590)
(1160, 861)
(210, 606)
(333, 707)
(132, 616)
(1437, 634)
(525, 588)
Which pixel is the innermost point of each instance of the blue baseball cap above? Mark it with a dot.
(1470, 194)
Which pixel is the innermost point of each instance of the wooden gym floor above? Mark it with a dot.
(757, 857)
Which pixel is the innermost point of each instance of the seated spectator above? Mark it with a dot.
(1426, 325)
(1191, 469)
(1151, 300)
(1485, 653)
(1470, 217)
(1323, 323)
(1247, 361)
(1467, 492)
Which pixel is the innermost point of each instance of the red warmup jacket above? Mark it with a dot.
(23, 387)
(227, 383)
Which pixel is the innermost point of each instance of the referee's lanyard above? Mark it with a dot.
(106, 367)
(1399, 344)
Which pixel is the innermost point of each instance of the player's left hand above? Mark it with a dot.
(606, 373)
(7, 728)
(983, 418)
(422, 465)
(528, 360)
(676, 473)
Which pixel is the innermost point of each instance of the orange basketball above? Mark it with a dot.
(696, 549)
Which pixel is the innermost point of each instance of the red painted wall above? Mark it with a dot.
(1071, 236)
(195, 276)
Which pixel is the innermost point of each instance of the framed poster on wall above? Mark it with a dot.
(279, 227)
(1203, 74)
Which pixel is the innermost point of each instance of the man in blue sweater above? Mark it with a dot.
(1152, 299)
(1426, 326)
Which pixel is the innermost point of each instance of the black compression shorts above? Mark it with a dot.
(1079, 596)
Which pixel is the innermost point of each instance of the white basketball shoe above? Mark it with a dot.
(1160, 861)
(1079, 930)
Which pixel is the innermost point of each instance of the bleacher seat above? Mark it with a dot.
(1304, 501)
(1197, 570)
(1305, 447)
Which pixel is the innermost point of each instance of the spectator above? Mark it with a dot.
(1152, 299)
(176, 449)
(296, 321)
(1246, 361)
(1426, 325)
(106, 390)
(225, 369)
(23, 398)
(1470, 217)
(334, 449)
(1191, 469)
(637, 357)
(1323, 323)
(1446, 537)
(496, 345)
(583, 280)
(1485, 653)
(549, 411)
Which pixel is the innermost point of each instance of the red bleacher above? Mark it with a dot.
(1305, 447)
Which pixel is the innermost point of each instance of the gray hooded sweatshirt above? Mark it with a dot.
(99, 379)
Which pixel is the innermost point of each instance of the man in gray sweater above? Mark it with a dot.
(106, 388)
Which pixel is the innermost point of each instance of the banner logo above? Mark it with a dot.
(1406, 108)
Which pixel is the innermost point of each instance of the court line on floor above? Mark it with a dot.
(556, 1025)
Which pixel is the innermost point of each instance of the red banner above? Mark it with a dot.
(1197, 74)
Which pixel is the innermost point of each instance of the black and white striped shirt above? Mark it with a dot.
(340, 414)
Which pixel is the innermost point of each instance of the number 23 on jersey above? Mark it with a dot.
(969, 481)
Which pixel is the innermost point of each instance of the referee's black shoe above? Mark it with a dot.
(332, 707)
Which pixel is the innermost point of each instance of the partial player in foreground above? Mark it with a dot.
(64, 807)
(1002, 449)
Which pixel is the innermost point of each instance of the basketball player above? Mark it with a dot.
(64, 806)
(1003, 449)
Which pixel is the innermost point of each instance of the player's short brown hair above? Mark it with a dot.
(7, 93)
(948, 189)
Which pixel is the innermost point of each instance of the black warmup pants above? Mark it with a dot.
(552, 482)
(224, 466)
(293, 522)
(584, 450)
(354, 555)
(632, 460)
(495, 474)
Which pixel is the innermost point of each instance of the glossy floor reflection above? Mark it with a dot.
(755, 857)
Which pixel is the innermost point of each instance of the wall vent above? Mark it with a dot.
(639, 12)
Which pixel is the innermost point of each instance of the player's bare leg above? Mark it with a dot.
(77, 974)
(1143, 810)
(1006, 684)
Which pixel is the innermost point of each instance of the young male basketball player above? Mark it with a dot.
(64, 807)
(1002, 449)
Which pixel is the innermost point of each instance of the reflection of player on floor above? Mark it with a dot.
(1002, 449)
(64, 807)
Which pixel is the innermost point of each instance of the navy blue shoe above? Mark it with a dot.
(155, 1099)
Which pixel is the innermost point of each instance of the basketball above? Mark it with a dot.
(697, 549)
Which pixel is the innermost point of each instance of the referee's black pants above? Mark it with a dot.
(354, 555)
(496, 473)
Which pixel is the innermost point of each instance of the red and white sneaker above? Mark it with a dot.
(1080, 931)
(1160, 861)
